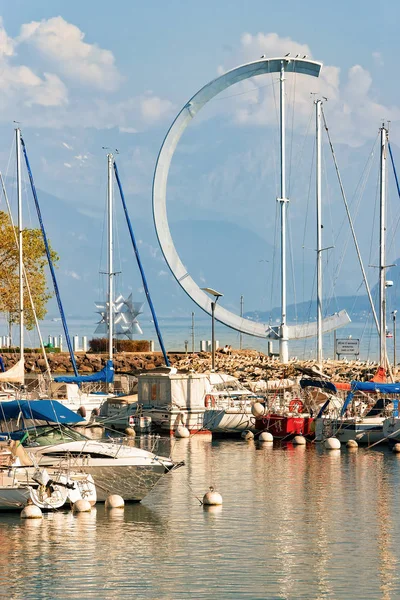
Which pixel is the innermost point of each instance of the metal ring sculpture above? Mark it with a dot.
(188, 112)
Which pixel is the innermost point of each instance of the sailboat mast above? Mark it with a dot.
(283, 338)
(382, 247)
(20, 258)
(319, 233)
(110, 159)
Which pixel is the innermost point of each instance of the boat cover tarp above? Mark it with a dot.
(15, 374)
(373, 386)
(106, 375)
(325, 385)
(40, 410)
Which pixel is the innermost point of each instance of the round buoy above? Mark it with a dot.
(265, 436)
(332, 444)
(130, 432)
(114, 501)
(181, 432)
(396, 448)
(299, 440)
(95, 412)
(258, 410)
(352, 444)
(212, 498)
(247, 435)
(81, 411)
(82, 506)
(31, 511)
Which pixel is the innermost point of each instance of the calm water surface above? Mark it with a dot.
(296, 523)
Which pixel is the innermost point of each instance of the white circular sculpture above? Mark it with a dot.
(188, 112)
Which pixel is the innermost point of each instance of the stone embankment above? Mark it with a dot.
(246, 365)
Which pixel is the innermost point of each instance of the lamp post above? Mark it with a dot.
(394, 338)
(216, 296)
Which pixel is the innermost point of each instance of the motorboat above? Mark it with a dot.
(115, 467)
(201, 402)
(22, 482)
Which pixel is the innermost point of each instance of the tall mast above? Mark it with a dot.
(319, 233)
(283, 338)
(382, 248)
(110, 159)
(20, 259)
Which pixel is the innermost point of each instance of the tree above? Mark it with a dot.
(35, 260)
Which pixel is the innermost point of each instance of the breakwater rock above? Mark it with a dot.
(246, 365)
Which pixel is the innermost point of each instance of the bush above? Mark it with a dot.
(100, 345)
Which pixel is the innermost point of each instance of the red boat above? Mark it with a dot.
(290, 425)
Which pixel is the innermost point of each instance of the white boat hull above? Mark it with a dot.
(367, 430)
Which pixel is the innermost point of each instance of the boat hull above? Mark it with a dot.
(368, 430)
(286, 426)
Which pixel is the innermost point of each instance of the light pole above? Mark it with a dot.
(216, 296)
(394, 338)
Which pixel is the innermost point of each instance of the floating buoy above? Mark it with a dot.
(247, 435)
(31, 511)
(257, 410)
(181, 432)
(130, 432)
(396, 448)
(82, 506)
(352, 444)
(299, 440)
(114, 501)
(332, 444)
(265, 436)
(212, 498)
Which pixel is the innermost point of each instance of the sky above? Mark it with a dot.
(82, 75)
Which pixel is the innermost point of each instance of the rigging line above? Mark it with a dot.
(350, 221)
(144, 281)
(306, 219)
(292, 130)
(301, 152)
(359, 192)
(28, 287)
(51, 266)
(292, 264)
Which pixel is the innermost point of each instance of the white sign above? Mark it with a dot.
(348, 346)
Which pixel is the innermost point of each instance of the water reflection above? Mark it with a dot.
(297, 522)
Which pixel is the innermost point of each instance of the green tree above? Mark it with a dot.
(35, 260)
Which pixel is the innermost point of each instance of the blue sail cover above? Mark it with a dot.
(372, 386)
(324, 385)
(106, 375)
(40, 410)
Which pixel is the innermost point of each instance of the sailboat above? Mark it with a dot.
(364, 411)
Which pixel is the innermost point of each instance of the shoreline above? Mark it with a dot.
(245, 365)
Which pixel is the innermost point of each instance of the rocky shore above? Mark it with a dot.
(246, 365)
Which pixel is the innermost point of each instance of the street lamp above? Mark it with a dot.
(216, 295)
(394, 338)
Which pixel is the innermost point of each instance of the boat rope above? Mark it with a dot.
(350, 222)
(49, 259)
(28, 287)
(139, 262)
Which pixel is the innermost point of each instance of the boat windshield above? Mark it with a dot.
(46, 435)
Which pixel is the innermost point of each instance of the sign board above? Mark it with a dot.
(347, 346)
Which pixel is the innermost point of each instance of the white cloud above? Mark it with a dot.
(68, 165)
(73, 274)
(353, 112)
(67, 146)
(62, 44)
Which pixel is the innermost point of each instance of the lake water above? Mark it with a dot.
(296, 523)
(176, 331)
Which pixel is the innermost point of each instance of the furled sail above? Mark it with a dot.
(15, 374)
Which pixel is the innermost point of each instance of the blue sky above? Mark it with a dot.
(80, 75)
